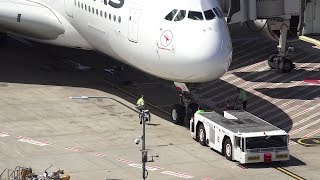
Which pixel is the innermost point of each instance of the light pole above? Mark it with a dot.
(144, 115)
(144, 153)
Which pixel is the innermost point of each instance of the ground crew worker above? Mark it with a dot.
(140, 107)
(199, 110)
(228, 106)
(243, 98)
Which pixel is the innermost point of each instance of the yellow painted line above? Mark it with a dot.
(310, 40)
(288, 173)
(316, 141)
(132, 95)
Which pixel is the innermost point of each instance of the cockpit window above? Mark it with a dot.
(218, 12)
(170, 16)
(180, 16)
(209, 14)
(195, 15)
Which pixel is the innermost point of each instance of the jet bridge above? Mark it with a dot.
(279, 20)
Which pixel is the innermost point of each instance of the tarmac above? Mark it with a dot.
(94, 139)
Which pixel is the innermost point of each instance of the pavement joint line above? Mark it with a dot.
(289, 173)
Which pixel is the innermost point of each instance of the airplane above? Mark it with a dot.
(185, 41)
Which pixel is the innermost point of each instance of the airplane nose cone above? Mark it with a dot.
(211, 61)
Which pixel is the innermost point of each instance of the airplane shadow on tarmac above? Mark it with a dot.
(49, 65)
(299, 74)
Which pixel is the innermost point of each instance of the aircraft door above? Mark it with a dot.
(133, 25)
(68, 4)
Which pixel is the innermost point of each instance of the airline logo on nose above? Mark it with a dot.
(166, 38)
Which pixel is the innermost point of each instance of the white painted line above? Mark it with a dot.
(286, 112)
(3, 134)
(296, 115)
(304, 127)
(31, 141)
(292, 142)
(306, 119)
(306, 136)
(149, 168)
(72, 149)
(177, 174)
(312, 133)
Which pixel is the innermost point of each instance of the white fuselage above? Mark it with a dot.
(137, 33)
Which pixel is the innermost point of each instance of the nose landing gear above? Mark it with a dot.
(280, 64)
(187, 106)
(281, 61)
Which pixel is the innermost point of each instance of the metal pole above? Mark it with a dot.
(143, 146)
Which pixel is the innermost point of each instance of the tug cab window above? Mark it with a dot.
(195, 15)
(180, 16)
(170, 16)
(209, 15)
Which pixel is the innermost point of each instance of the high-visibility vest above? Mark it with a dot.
(242, 95)
(140, 102)
(200, 111)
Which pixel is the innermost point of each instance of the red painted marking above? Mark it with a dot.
(98, 155)
(312, 133)
(125, 161)
(207, 178)
(306, 136)
(312, 81)
(72, 149)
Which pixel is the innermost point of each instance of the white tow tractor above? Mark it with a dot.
(240, 136)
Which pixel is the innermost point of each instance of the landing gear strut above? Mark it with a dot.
(187, 106)
(281, 61)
